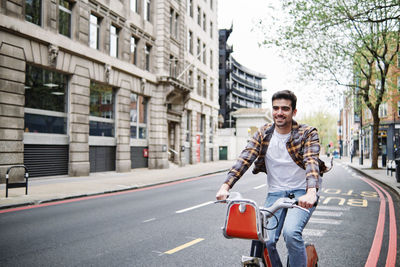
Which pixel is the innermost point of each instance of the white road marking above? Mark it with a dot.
(260, 186)
(325, 221)
(328, 213)
(313, 232)
(149, 220)
(194, 207)
(321, 207)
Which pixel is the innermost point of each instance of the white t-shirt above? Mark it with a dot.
(283, 173)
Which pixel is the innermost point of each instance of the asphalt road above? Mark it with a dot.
(179, 225)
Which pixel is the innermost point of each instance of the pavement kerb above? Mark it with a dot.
(38, 202)
(394, 188)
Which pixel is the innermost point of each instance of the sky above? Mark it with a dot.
(280, 74)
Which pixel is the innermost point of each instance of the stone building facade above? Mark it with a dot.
(88, 86)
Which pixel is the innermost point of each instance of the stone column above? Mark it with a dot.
(79, 123)
(123, 157)
(12, 102)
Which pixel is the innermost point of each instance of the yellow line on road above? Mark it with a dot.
(191, 243)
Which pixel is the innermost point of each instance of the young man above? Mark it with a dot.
(289, 154)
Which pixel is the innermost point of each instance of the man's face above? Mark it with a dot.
(282, 113)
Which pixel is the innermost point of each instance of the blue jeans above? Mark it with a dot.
(292, 222)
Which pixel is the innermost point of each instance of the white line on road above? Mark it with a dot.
(260, 186)
(149, 220)
(194, 207)
(325, 221)
(313, 232)
(328, 213)
(321, 207)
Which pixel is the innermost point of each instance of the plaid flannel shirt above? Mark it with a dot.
(303, 147)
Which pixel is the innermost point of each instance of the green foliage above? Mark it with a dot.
(326, 125)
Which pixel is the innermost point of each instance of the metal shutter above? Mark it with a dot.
(102, 158)
(46, 160)
(137, 159)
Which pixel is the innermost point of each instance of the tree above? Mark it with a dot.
(351, 43)
(325, 124)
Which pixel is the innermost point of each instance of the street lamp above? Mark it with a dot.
(361, 140)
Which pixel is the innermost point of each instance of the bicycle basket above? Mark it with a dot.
(242, 220)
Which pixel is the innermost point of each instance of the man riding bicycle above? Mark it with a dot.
(289, 153)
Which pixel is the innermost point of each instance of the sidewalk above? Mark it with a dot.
(378, 174)
(46, 189)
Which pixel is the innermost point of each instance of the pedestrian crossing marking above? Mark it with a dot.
(313, 232)
(328, 213)
(325, 221)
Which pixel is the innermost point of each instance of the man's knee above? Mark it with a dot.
(292, 236)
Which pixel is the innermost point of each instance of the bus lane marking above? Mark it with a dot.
(194, 207)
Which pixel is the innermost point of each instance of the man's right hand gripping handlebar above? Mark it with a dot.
(223, 192)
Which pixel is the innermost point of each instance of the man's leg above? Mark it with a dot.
(273, 234)
(296, 220)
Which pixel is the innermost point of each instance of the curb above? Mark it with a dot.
(394, 189)
(39, 202)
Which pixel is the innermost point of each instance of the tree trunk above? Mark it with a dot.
(375, 142)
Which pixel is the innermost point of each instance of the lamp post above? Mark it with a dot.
(361, 140)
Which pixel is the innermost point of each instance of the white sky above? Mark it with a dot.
(280, 74)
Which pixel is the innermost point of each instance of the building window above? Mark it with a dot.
(138, 116)
(190, 8)
(147, 53)
(133, 49)
(204, 22)
(113, 41)
(198, 85)
(398, 83)
(65, 14)
(211, 129)
(383, 110)
(211, 29)
(398, 108)
(173, 23)
(94, 32)
(211, 4)
(198, 47)
(199, 16)
(176, 27)
(45, 101)
(134, 5)
(147, 10)
(204, 54)
(211, 91)
(101, 120)
(211, 59)
(190, 42)
(190, 78)
(33, 11)
(173, 66)
(204, 88)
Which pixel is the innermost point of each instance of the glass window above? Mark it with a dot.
(101, 110)
(138, 116)
(147, 57)
(204, 54)
(211, 59)
(134, 5)
(190, 7)
(211, 129)
(176, 27)
(147, 10)
(199, 16)
(190, 42)
(188, 125)
(113, 41)
(204, 22)
(33, 11)
(94, 32)
(45, 101)
(134, 42)
(65, 13)
(204, 88)
(211, 29)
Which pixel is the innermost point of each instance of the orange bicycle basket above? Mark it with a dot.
(242, 220)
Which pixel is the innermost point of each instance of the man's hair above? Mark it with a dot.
(286, 94)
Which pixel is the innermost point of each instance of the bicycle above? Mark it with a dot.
(246, 220)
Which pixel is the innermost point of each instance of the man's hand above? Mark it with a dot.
(308, 200)
(223, 192)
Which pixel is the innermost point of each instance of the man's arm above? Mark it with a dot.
(223, 192)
